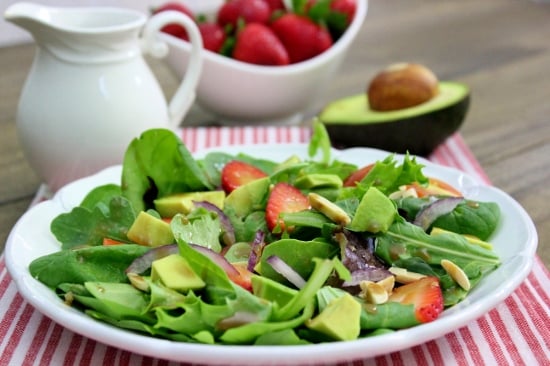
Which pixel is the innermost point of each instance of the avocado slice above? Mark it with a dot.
(375, 212)
(247, 197)
(418, 130)
(340, 320)
(319, 180)
(151, 231)
(271, 290)
(169, 206)
(176, 273)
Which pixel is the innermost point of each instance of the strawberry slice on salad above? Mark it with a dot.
(426, 296)
(237, 173)
(283, 198)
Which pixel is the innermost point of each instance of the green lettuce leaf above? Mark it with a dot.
(158, 164)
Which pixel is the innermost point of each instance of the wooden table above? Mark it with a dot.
(499, 48)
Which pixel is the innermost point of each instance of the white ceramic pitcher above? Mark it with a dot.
(89, 91)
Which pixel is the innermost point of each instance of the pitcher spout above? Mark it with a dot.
(29, 16)
(81, 34)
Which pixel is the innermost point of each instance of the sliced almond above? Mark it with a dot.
(363, 287)
(329, 209)
(403, 192)
(138, 282)
(387, 283)
(403, 276)
(373, 293)
(456, 274)
(69, 298)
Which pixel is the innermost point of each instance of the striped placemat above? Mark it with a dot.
(516, 332)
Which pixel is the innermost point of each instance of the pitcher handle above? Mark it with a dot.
(185, 94)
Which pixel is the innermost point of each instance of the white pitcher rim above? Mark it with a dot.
(129, 18)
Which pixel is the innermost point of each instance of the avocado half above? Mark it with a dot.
(417, 130)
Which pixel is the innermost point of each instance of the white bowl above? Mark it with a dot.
(235, 92)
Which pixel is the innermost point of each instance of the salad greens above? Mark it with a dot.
(306, 281)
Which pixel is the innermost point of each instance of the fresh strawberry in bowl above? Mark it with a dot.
(269, 70)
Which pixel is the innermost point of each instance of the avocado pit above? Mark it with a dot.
(402, 85)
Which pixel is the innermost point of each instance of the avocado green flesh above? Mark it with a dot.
(375, 212)
(355, 109)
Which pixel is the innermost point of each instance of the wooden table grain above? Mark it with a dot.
(501, 49)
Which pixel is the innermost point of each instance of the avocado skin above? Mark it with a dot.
(419, 135)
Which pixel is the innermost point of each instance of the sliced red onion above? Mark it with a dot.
(357, 251)
(428, 214)
(286, 271)
(218, 259)
(228, 235)
(144, 262)
(237, 319)
(256, 249)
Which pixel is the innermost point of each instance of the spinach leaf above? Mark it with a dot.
(297, 254)
(158, 164)
(246, 228)
(99, 263)
(102, 194)
(89, 226)
(212, 165)
(474, 218)
(404, 240)
(469, 217)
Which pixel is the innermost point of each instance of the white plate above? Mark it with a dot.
(515, 242)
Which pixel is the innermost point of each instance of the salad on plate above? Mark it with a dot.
(232, 249)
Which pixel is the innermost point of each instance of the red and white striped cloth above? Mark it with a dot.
(516, 332)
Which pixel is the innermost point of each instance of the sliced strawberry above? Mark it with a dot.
(426, 296)
(283, 198)
(237, 173)
(357, 176)
(175, 29)
(243, 277)
(250, 11)
(302, 38)
(435, 187)
(213, 36)
(257, 44)
(109, 241)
